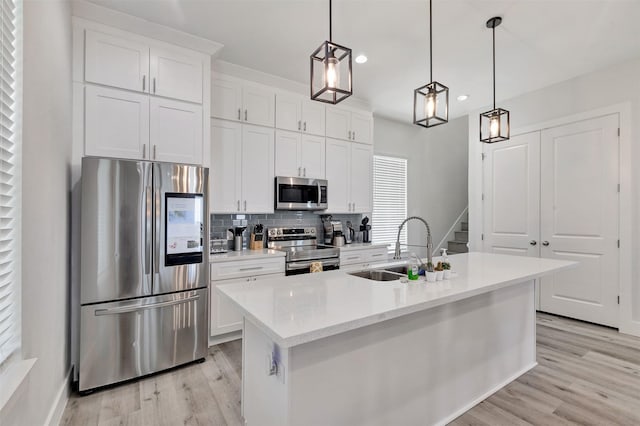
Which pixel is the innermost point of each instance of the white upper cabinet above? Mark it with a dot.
(131, 65)
(233, 99)
(295, 113)
(349, 173)
(116, 123)
(349, 125)
(299, 155)
(288, 112)
(242, 158)
(175, 75)
(176, 131)
(117, 62)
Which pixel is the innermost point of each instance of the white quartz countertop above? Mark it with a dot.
(231, 256)
(360, 246)
(302, 308)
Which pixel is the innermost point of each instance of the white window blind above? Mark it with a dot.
(389, 199)
(8, 182)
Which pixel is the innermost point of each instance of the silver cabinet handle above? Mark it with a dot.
(239, 112)
(126, 309)
(304, 172)
(349, 208)
(144, 150)
(245, 115)
(533, 242)
(298, 124)
(154, 85)
(349, 135)
(144, 82)
(353, 134)
(238, 205)
(354, 207)
(154, 151)
(245, 205)
(299, 170)
(545, 243)
(305, 126)
(252, 268)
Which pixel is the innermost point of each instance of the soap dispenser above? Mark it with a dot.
(446, 265)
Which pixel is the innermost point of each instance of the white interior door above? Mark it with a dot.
(579, 219)
(512, 196)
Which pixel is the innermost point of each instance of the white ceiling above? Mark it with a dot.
(539, 42)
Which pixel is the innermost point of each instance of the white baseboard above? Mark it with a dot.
(60, 402)
(484, 396)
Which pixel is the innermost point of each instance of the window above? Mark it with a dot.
(389, 199)
(9, 182)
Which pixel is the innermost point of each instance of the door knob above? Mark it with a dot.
(545, 243)
(533, 242)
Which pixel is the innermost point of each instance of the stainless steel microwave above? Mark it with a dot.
(294, 193)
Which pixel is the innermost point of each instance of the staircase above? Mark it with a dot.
(459, 244)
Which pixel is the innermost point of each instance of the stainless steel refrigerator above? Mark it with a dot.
(144, 268)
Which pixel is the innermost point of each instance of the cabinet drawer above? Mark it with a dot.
(352, 257)
(377, 255)
(246, 268)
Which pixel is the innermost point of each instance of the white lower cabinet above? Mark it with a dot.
(242, 169)
(359, 259)
(349, 173)
(224, 318)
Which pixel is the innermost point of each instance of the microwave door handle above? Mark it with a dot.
(319, 193)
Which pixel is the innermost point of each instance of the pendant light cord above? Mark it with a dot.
(430, 42)
(330, 21)
(494, 67)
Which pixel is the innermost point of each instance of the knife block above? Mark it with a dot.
(257, 241)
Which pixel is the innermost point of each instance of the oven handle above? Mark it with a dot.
(303, 265)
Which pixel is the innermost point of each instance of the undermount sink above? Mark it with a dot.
(377, 275)
(402, 269)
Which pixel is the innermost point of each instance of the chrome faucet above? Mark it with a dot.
(396, 255)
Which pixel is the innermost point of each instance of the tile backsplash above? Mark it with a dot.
(220, 223)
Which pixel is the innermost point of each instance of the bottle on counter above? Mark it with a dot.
(446, 265)
(414, 267)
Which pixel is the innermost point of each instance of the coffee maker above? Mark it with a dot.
(337, 236)
(365, 228)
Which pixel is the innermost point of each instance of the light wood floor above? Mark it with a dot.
(587, 375)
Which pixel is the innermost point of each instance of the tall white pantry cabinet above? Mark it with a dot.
(139, 98)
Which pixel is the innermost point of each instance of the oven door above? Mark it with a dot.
(293, 193)
(304, 267)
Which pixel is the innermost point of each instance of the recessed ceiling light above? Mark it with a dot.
(463, 97)
(361, 59)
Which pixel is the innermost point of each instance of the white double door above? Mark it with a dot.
(554, 194)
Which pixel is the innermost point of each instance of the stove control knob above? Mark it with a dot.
(279, 232)
(313, 231)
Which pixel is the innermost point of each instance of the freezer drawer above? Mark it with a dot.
(127, 339)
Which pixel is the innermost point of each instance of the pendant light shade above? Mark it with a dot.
(431, 101)
(494, 124)
(331, 71)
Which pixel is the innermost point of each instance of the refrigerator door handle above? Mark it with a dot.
(156, 236)
(147, 229)
(127, 309)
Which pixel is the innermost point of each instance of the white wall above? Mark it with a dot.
(615, 85)
(45, 238)
(437, 172)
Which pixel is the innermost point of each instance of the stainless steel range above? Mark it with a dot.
(302, 248)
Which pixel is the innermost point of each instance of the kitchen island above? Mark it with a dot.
(336, 349)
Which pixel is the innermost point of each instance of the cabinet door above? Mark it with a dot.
(117, 62)
(288, 112)
(259, 105)
(226, 99)
(176, 75)
(224, 316)
(312, 150)
(176, 131)
(313, 117)
(337, 175)
(226, 166)
(361, 177)
(361, 128)
(257, 169)
(338, 123)
(287, 154)
(116, 123)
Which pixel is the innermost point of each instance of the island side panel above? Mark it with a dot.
(264, 396)
(420, 369)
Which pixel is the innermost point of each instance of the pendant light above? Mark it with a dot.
(331, 71)
(431, 101)
(494, 124)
